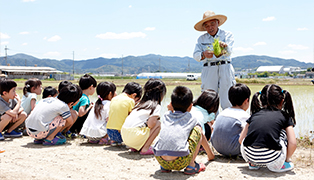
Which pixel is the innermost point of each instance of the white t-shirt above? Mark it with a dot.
(138, 118)
(95, 127)
(26, 101)
(44, 113)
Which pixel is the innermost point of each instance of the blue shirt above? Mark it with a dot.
(206, 40)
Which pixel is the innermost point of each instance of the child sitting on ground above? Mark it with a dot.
(49, 91)
(180, 136)
(204, 109)
(142, 126)
(31, 89)
(94, 128)
(88, 85)
(119, 109)
(10, 109)
(231, 121)
(52, 115)
(268, 138)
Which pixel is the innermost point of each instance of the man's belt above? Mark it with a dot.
(217, 63)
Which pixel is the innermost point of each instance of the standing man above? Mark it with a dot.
(217, 72)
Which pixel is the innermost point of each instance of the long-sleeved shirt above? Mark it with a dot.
(206, 40)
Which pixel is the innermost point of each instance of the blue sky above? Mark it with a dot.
(102, 28)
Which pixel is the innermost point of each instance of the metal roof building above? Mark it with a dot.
(26, 72)
(270, 69)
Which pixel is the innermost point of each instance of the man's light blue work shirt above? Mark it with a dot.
(206, 40)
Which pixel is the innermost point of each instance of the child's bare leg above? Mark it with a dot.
(205, 144)
(20, 119)
(53, 135)
(68, 125)
(74, 116)
(5, 120)
(152, 135)
(192, 163)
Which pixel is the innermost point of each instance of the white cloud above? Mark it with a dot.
(44, 38)
(242, 49)
(297, 47)
(54, 38)
(109, 55)
(125, 35)
(4, 36)
(55, 54)
(150, 29)
(4, 43)
(130, 6)
(260, 44)
(24, 44)
(287, 52)
(271, 18)
(302, 29)
(28, 0)
(23, 33)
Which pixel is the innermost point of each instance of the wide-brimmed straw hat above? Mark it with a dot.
(207, 16)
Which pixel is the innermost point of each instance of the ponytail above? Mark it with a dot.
(256, 103)
(103, 90)
(288, 106)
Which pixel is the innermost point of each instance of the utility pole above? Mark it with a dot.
(122, 65)
(6, 55)
(159, 64)
(73, 65)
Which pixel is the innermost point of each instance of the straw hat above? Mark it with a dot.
(209, 15)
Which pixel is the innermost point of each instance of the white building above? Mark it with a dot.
(165, 75)
(26, 72)
(271, 69)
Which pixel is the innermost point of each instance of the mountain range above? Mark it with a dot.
(146, 63)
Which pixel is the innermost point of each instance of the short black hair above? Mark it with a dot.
(86, 81)
(49, 91)
(208, 100)
(181, 98)
(63, 84)
(133, 87)
(70, 93)
(238, 94)
(6, 85)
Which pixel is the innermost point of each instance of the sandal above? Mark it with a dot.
(93, 141)
(55, 141)
(38, 141)
(198, 168)
(148, 152)
(104, 141)
(163, 170)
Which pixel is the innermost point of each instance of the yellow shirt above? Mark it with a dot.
(120, 107)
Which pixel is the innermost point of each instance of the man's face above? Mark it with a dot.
(211, 26)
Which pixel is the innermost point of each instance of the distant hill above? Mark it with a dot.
(147, 63)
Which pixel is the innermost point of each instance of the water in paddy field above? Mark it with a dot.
(302, 96)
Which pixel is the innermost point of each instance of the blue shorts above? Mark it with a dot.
(114, 135)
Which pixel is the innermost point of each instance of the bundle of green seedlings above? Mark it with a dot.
(217, 49)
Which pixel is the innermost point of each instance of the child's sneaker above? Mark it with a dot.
(253, 167)
(60, 135)
(1, 137)
(69, 134)
(114, 143)
(287, 166)
(38, 141)
(13, 134)
(55, 141)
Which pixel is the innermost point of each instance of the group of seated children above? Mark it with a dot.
(266, 138)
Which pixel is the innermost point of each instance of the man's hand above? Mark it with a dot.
(222, 44)
(208, 54)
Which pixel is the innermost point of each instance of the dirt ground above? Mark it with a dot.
(79, 160)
